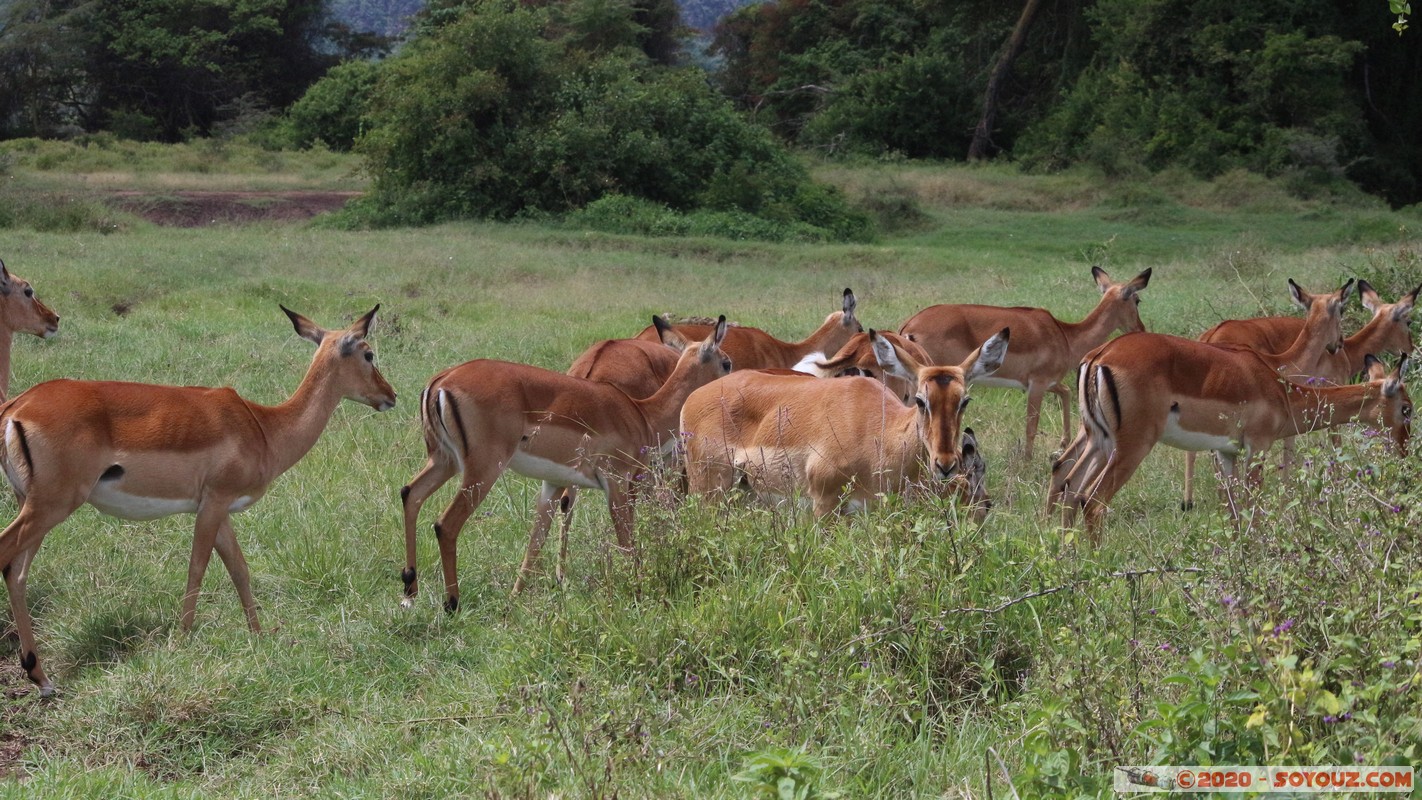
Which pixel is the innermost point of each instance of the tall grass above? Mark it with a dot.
(884, 653)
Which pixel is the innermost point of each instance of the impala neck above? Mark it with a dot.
(1316, 409)
(662, 411)
(1303, 356)
(815, 342)
(1371, 338)
(7, 338)
(293, 427)
(1091, 332)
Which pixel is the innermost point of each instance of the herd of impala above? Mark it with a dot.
(890, 420)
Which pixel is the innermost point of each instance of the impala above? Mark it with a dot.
(752, 348)
(1315, 349)
(833, 439)
(1387, 332)
(1143, 389)
(1043, 347)
(639, 368)
(485, 417)
(140, 451)
(20, 312)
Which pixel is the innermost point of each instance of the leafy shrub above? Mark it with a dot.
(500, 114)
(332, 109)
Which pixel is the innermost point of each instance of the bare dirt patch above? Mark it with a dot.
(199, 209)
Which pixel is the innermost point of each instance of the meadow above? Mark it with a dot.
(901, 652)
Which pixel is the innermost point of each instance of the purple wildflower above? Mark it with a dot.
(1389, 664)
(1228, 601)
(1283, 627)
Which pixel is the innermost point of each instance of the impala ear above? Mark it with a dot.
(1346, 291)
(4, 279)
(1374, 368)
(986, 359)
(1300, 297)
(668, 334)
(893, 362)
(305, 328)
(1402, 312)
(717, 336)
(1103, 280)
(1393, 384)
(970, 443)
(1137, 283)
(1368, 296)
(850, 303)
(365, 324)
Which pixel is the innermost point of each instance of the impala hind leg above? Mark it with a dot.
(476, 486)
(19, 542)
(1119, 468)
(438, 470)
(231, 553)
(1189, 501)
(1035, 393)
(546, 507)
(1057, 486)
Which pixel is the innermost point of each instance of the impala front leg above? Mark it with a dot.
(1064, 396)
(413, 495)
(547, 505)
(1035, 392)
(211, 516)
(231, 553)
(15, 576)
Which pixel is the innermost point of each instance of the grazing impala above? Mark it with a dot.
(833, 439)
(20, 312)
(485, 417)
(639, 368)
(139, 451)
(1144, 388)
(1316, 349)
(752, 348)
(1387, 332)
(1043, 347)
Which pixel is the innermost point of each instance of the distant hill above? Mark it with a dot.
(392, 17)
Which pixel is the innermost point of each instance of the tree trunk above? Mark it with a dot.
(982, 136)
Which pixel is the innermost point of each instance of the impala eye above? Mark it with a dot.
(921, 403)
(726, 364)
(963, 404)
(369, 356)
(29, 292)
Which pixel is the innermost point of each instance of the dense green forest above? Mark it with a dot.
(1320, 93)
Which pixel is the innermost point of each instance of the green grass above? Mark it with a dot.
(748, 629)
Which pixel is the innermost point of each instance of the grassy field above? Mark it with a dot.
(877, 655)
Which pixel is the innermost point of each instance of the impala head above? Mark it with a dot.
(942, 394)
(707, 358)
(972, 471)
(857, 357)
(1396, 318)
(1122, 300)
(20, 310)
(1324, 309)
(1395, 405)
(348, 359)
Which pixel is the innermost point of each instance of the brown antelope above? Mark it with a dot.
(485, 417)
(139, 451)
(20, 312)
(848, 438)
(1316, 351)
(752, 348)
(1144, 388)
(1387, 332)
(639, 368)
(1044, 348)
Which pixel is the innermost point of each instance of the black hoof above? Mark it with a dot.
(1187, 505)
(451, 605)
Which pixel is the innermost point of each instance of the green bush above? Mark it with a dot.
(502, 113)
(332, 109)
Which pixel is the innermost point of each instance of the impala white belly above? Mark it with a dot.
(554, 472)
(1000, 383)
(1176, 436)
(123, 505)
